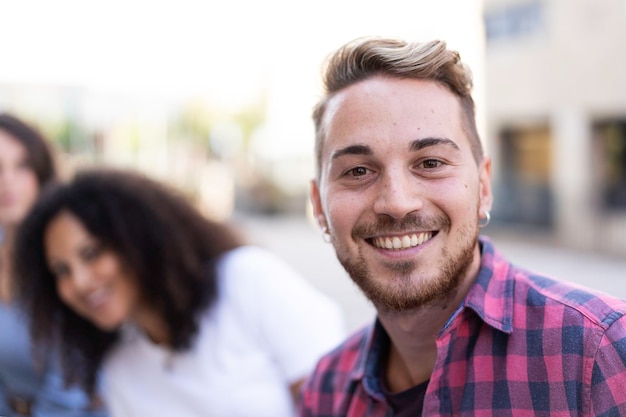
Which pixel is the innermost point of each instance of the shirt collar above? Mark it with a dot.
(491, 297)
(375, 343)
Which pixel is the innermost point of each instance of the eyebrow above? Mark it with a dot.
(352, 150)
(419, 144)
(415, 145)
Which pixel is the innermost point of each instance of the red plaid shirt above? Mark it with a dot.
(521, 345)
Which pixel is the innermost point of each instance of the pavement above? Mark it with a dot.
(298, 241)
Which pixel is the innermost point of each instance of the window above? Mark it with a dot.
(514, 21)
(611, 136)
(523, 190)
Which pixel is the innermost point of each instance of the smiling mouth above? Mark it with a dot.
(401, 242)
(97, 298)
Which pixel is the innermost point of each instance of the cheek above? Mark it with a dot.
(343, 211)
(111, 271)
(31, 185)
(109, 267)
(65, 291)
(462, 200)
(28, 186)
(456, 197)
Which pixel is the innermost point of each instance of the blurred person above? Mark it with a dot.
(182, 316)
(27, 386)
(402, 188)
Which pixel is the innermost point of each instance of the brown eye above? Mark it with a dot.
(91, 252)
(59, 271)
(431, 163)
(358, 171)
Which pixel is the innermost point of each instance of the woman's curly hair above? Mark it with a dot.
(158, 234)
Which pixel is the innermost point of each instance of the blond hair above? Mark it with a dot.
(367, 57)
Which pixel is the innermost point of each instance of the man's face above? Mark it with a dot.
(400, 191)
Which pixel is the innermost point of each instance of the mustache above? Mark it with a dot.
(384, 224)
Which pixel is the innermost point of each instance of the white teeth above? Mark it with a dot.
(402, 242)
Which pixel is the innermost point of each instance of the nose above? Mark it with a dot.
(398, 194)
(81, 279)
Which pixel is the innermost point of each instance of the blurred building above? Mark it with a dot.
(556, 110)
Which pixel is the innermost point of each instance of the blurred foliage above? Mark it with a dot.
(250, 118)
(196, 118)
(193, 122)
(70, 136)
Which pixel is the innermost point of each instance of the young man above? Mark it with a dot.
(401, 191)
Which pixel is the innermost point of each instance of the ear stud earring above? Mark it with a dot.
(326, 234)
(484, 221)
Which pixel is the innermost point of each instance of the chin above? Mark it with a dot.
(11, 220)
(108, 325)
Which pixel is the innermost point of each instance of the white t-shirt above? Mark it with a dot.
(267, 330)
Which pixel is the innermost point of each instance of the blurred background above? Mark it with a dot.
(215, 97)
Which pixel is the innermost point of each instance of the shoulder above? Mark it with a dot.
(279, 308)
(258, 276)
(336, 381)
(526, 299)
(566, 299)
(338, 368)
(251, 262)
(244, 271)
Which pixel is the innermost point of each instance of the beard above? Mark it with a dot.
(400, 291)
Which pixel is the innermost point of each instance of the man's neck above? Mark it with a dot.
(413, 336)
(413, 348)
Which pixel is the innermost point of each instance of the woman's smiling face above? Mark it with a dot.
(90, 278)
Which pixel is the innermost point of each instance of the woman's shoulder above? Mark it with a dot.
(257, 278)
(248, 253)
(254, 263)
(290, 317)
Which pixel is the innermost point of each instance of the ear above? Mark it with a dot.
(316, 202)
(484, 178)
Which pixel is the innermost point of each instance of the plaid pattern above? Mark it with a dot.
(521, 345)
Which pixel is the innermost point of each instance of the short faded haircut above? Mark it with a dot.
(364, 58)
